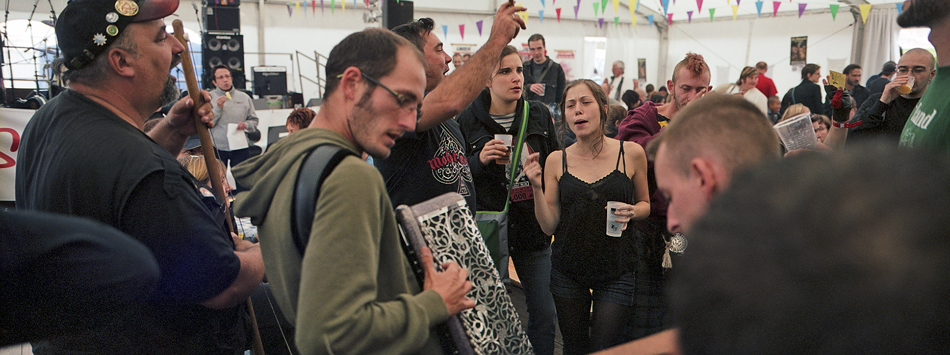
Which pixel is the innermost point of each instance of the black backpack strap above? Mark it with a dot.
(317, 165)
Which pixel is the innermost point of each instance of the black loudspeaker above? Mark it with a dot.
(396, 13)
(222, 19)
(223, 49)
(221, 2)
(270, 81)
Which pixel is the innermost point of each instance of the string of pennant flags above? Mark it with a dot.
(599, 7)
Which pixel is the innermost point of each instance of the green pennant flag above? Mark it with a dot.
(712, 13)
(834, 11)
(616, 21)
(595, 9)
(332, 6)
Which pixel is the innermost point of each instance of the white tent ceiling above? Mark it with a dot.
(41, 8)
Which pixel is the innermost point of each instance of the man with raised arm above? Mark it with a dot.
(431, 160)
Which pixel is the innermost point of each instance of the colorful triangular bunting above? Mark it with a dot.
(689, 14)
(735, 11)
(775, 5)
(758, 6)
(865, 10)
(712, 14)
(801, 9)
(478, 25)
(650, 18)
(834, 11)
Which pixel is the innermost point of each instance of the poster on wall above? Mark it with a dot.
(461, 53)
(642, 69)
(566, 60)
(12, 123)
(799, 54)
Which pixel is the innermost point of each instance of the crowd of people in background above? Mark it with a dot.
(729, 242)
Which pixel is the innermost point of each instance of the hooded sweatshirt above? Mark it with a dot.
(354, 291)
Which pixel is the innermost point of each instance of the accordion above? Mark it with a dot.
(447, 226)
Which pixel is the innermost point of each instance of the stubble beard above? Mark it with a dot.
(360, 123)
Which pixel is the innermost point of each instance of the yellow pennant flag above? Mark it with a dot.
(298, 8)
(616, 5)
(735, 11)
(633, 12)
(865, 9)
(523, 14)
(343, 5)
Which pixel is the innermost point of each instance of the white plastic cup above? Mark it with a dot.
(507, 158)
(543, 88)
(797, 132)
(614, 228)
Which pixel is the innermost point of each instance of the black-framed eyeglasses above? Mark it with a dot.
(915, 70)
(403, 101)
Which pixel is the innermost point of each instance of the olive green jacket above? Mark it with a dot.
(354, 292)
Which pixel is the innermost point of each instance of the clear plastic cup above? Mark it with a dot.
(797, 132)
(614, 228)
(507, 158)
(906, 88)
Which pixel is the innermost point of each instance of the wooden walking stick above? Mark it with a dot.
(207, 148)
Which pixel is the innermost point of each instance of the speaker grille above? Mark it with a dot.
(223, 49)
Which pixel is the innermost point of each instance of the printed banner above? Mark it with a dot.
(461, 53)
(12, 123)
(567, 61)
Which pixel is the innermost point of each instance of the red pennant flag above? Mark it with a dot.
(558, 10)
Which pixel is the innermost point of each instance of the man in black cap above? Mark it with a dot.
(877, 82)
(84, 153)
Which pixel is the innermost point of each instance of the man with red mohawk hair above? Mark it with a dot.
(690, 81)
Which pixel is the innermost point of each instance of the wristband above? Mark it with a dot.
(845, 124)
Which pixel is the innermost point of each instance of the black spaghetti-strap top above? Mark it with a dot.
(582, 249)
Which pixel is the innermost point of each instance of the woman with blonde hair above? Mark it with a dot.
(792, 111)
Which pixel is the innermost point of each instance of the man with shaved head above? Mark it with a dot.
(929, 123)
(884, 115)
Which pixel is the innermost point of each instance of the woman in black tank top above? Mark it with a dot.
(590, 268)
